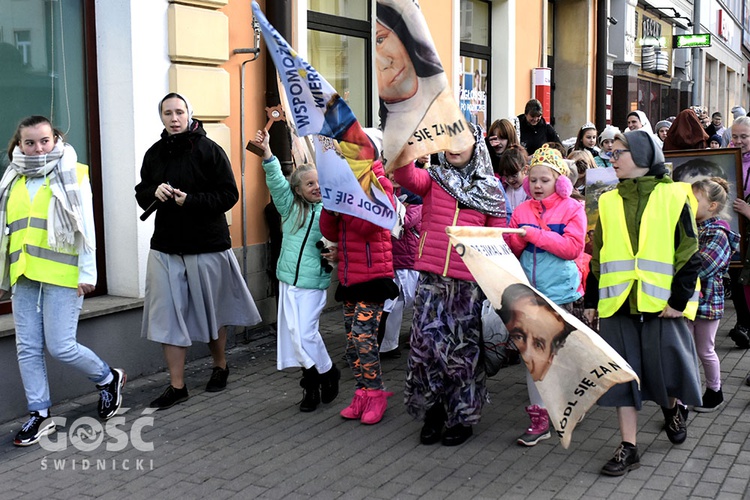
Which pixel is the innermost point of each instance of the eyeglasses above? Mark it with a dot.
(616, 153)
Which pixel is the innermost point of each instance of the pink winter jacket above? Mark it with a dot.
(440, 210)
(365, 250)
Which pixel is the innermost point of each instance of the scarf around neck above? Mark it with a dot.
(474, 185)
(65, 216)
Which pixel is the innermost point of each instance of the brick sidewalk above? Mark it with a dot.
(251, 441)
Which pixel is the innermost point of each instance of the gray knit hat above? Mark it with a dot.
(663, 123)
(645, 152)
(738, 111)
(608, 133)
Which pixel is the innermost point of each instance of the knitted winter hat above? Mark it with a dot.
(549, 158)
(717, 138)
(663, 123)
(608, 133)
(738, 111)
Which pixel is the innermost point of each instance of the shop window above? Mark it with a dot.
(474, 83)
(45, 71)
(347, 9)
(338, 41)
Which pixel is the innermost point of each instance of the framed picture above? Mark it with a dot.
(598, 181)
(690, 164)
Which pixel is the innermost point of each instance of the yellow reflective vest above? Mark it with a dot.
(29, 252)
(652, 268)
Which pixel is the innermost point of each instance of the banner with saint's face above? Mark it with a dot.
(571, 365)
(418, 112)
(347, 182)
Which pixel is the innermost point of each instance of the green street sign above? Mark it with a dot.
(690, 41)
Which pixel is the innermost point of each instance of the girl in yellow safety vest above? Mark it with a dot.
(47, 259)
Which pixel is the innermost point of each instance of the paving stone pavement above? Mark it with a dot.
(251, 441)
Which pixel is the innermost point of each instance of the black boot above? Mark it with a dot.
(675, 423)
(310, 384)
(741, 336)
(712, 401)
(434, 421)
(329, 384)
(626, 458)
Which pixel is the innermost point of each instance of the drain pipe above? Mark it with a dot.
(279, 14)
(243, 218)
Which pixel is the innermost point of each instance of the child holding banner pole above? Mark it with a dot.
(643, 287)
(445, 382)
(302, 280)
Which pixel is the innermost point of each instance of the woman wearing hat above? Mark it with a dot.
(686, 132)
(642, 289)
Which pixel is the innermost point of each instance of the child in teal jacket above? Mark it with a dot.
(302, 279)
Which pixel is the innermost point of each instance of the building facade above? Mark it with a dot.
(98, 68)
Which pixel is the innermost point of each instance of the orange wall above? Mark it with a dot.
(528, 48)
(439, 17)
(241, 36)
(438, 14)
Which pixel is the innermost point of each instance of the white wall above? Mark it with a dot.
(503, 59)
(133, 76)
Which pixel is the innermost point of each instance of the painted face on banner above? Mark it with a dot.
(533, 329)
(397, 78)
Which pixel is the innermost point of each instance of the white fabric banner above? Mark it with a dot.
(571, 365)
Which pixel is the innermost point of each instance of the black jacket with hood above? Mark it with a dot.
(193, 163)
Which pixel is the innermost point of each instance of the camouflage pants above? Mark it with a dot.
(361, 320)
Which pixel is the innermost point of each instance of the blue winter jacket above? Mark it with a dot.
(299, 263)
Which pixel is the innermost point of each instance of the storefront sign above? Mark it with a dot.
(690, 41)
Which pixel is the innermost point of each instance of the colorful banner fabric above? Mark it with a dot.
(571, 364)
(315, 108)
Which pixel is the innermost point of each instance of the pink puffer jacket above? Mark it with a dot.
(440, 210)
(365, 250)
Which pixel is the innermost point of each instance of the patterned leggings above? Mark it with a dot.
(361, 320)
(443, 365)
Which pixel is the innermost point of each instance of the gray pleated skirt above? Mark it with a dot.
(189, 297)
(663, 355)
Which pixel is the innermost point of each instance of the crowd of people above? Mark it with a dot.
(657, 305)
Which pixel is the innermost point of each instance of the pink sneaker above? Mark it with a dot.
(355, 410)
(539, 428)
(377, 402)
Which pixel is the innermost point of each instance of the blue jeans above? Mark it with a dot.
(48, 314)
